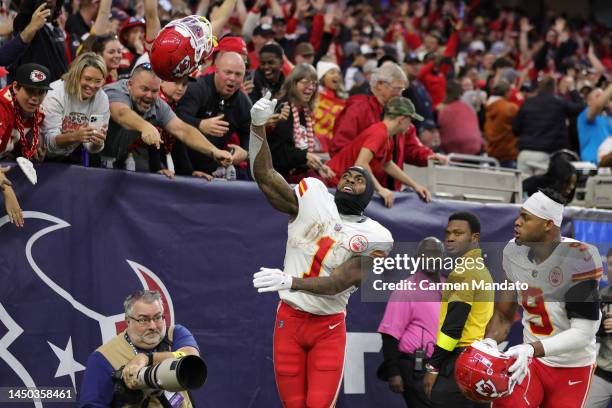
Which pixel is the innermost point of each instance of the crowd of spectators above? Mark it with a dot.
(481, 79)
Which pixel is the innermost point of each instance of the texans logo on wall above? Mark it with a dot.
(38, 347)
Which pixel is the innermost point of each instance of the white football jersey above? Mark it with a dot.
(544, 312)
(320, 240)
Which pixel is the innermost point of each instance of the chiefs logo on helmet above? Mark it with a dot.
(180, 46)
(481, 372)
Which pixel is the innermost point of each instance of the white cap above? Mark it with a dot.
(366, 49)
(542, 206)
(477, 45)
(323, 67)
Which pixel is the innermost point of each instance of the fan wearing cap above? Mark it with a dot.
(332, 99)
(262, 35)
(131, 36)
(561, 313)
(228, 43)
(21, 118)
(373, 150)
(362, 111)
(310, 332)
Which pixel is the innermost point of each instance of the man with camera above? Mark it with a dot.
(112, 375)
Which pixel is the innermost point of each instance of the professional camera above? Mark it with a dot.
(173, 374)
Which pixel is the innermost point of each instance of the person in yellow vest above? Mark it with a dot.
(464, 313)
(146, 341)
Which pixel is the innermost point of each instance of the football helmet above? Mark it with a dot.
(180, 46)
(481, 372)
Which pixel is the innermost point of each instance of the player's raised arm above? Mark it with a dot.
(278, 192)
(343, 277)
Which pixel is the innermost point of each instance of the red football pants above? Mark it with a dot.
(550, 387)
(308, 357)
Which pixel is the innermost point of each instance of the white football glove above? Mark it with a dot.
(523, 354)
(490, 342)
(262, 110)
(271, 280)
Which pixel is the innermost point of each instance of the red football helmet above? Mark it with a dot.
(180, 46)
(481, 372)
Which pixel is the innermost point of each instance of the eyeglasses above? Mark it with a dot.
(145, 65)
(145, 321)
(307, 82)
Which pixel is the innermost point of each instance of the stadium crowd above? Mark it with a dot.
(78, 87)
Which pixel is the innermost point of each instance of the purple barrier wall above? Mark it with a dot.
(93, 236)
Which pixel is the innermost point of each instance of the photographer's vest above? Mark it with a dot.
(118, 352)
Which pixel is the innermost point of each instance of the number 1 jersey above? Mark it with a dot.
(320, 240)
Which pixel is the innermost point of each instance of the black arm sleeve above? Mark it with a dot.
(456, 316)
(391, 353)
(582, 300)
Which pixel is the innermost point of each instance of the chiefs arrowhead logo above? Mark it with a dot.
(183, 68)
(37, 76)
(358, 243)
(486, 388)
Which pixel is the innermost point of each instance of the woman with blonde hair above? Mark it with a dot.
(77, 110)
(292, 141)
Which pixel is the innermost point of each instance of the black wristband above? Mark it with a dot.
(150, 356)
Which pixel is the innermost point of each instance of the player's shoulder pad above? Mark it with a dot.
(310, 186)
(379, 239)
(587, 262)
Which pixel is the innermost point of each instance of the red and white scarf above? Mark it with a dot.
(303, 138)
(27, 149)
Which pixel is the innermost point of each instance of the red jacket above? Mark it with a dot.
(7, 120)
(362, 111)
(435, 82)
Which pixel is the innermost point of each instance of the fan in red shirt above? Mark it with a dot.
(373, 150)
(362, 111)
(20, 120)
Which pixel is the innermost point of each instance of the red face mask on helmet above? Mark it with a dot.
(481, 372)
(180, 46)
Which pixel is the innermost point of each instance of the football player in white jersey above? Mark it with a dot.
(329, 239)
(561, 315)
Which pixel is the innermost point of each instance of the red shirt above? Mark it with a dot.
(376, 139)
(362, 111)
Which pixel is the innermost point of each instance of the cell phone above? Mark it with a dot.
(96, 121)
(279, 107)
(248, 76)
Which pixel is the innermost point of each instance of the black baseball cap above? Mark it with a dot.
(33, 76)
(429, 124)
(264, 30)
